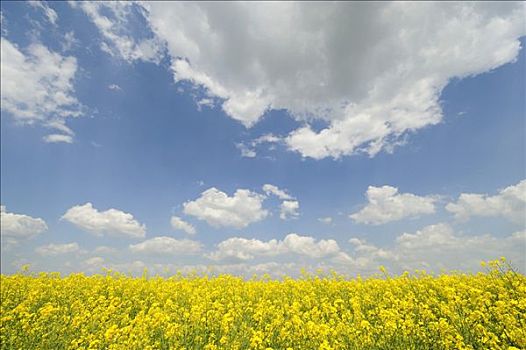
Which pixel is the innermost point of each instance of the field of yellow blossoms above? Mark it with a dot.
(411, 311)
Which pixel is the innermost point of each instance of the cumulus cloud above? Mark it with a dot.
(220, 210)
(301, 57)
(509, 203)
(276, 191)
(167, 245)
(115, 20)
(362, 247)
(37, 88)
(438, 247)
(272, 268)
(179, 224)
(430, 236)
(247, 249)
(289, 209)
(111, 221)
(95, 261)
(385, 204)
(57, 249)
(20, 225)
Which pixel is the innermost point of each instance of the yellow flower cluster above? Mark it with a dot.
(411, 311)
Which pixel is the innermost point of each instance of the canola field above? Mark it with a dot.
(411, 311)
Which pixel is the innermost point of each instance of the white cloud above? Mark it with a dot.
(220, 210)
(69, 41)
(244, 249)
(37, 87)
(246, 152)
(362, 247)
(179, 224)
(274, 190)
(114, 87)
(274, 269)
(430, 236)
(249, 149)
(3, 24)
(167, 245)
(509, 203)
(94, 261)
(252, 57)
(56, 138)
(385, 204)
(301, 57)
(20, 225)
(48, 11)
(247, 249)
(289, 209)
(57, 249)
(114, 21)
(135, 267)
(111, 221)
(326, 220)
(305, 245)
(438, 247)
(104, 250)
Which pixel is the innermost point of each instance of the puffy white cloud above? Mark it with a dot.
(274, 269)
(179, 224)
(57, 249)
(385, 204)
(114, 21)
(37, 88)
(94, 261)
(220, 210)
(276, 191)
(247, 249)
(301, 57)
(20, 225)
(244, 249)
(432, 235)
(111, 221)
(362, 247)
(248, 270)
(509, 203)
(438, 247)
(308, 246)
(289, 209)
(167, 245)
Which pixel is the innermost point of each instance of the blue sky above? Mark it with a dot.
(164, 120)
